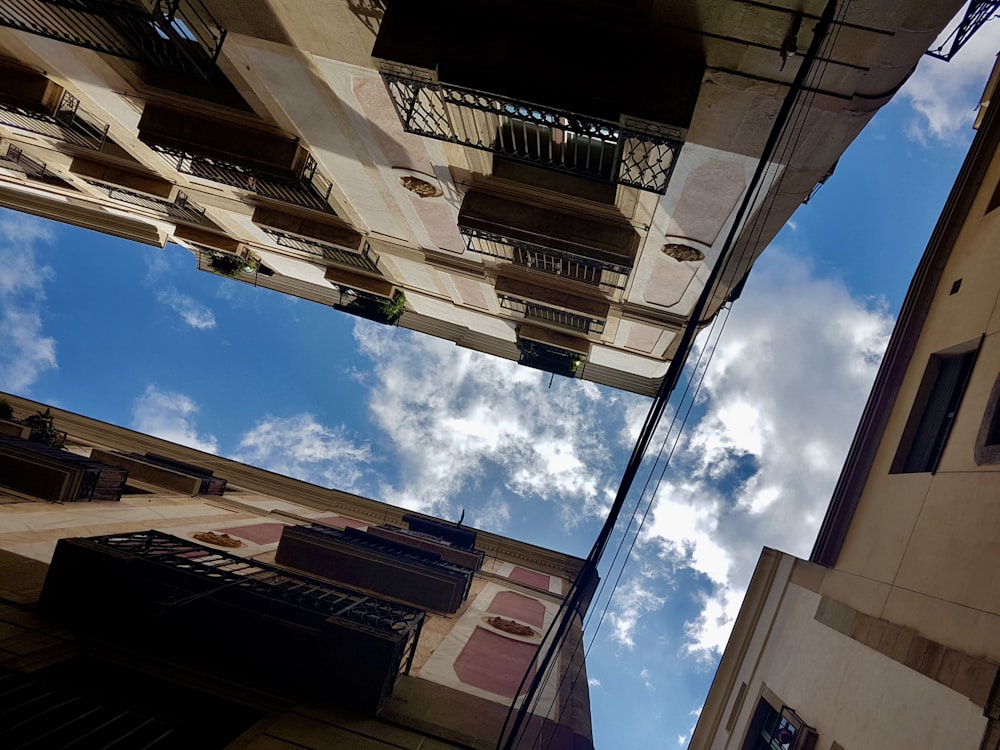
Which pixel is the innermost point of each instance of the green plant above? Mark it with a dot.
(394, 308)
(575, 365)
(43, 429)
(6, 411)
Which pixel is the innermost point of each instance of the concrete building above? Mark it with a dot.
(162, 597)
(889, 635)
(555, 191)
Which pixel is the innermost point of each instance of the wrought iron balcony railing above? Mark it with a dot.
(179, 208)
(542, 313)
(364, 259)
(178, 35)
(69, 122)
(549, 358)
(17, 159)
(309, 189)
(386, 567)
(609, 276)
(148, 589)
(641, 157)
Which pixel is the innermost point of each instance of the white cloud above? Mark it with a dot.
(25, 352)
(944, 94)
(192, 312)
(170, 415)
(594, 682)
(632, 600)
(301, 447)
(779, 406)
(455, 415)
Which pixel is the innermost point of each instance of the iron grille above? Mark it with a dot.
(179, 208)
(976, 14)
(24, 163)
(532, 311)
(365, 259)
(306, 594)
(41, 714)
(155, 588)
(568, 142)
(69, 122)
(178, 35)
(309, 190)
(609, 276)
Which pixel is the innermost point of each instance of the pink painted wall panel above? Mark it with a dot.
(518, 607)
(261, 533)
(529, 577)
(492, 662)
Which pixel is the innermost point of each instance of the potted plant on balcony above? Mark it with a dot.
(394, 308)
(43, 429)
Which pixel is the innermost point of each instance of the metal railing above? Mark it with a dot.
(178, 35)
(309, 189)
(977, 13)
(547, 137)
(364, 259)
(610, 276)
(179, 208)
(24, 163)
(69, 122)
(281, 593)
(542, 313)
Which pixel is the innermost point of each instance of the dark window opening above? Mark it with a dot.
(934, 412)
(771, 729)
(988, 439)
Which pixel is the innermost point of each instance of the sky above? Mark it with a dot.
(139, 337)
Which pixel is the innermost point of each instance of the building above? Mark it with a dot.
(162, 597)
(889, 635)
(558, 192)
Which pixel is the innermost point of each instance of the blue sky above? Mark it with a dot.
(139, 337)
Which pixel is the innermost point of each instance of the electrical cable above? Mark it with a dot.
(556, 633)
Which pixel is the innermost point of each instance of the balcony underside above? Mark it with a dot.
(177, 35)
(386, 567)
(593, 251)
(508, 76)
(208, 610)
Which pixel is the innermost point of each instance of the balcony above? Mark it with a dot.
(15, 158)
(308, 189)
(420, 578)
(167, 473)
(56, 475)
(364, 259)
(179, 208)
(535, 312)
(177, 35)
(541, 355)
(211, 611)
(230, 152)
(67, 121)
(384, 310)
(543, 136)
(587, 249)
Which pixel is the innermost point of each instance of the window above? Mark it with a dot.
(988, 440)
(934, 411)
(771, 729)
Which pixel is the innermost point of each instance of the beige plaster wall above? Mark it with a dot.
(925, 538)
(850, 693)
